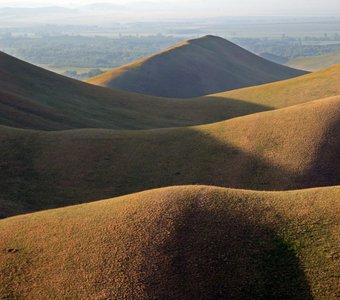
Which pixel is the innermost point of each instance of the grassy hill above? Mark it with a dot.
(65, 142)
(317, 85)
(177, 243)
(195, 68)
(31, 97)
(34, 98)
(291, 148)
(315, 63)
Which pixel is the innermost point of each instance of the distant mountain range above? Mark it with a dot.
(100, 7)
(29, 11)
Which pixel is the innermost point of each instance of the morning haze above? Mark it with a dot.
(200, 8)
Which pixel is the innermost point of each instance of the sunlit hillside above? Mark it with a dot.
(177, 243)
(290, 148)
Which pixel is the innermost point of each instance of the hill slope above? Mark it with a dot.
(34, 98)
(291, 148)
(31, 97)
(315, 63)
(177, 243)
(195, 68)
(321, 84)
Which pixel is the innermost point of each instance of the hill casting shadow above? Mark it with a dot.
(34, 98)
(48, 170)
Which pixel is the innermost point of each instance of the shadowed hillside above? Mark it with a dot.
(321, 84)
(177, 243)
(291, 148)
(31, 97)
(34, 98)
(195, 68)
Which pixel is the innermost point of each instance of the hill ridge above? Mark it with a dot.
(198, 67)
(46, 101)
(293, 91)
(285, 149)
(40, 99)
(184, 242)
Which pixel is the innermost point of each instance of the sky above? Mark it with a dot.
(210, 7)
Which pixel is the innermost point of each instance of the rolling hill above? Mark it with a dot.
(263, 234)
(195, 68)
(315, 63)
(177, 243)
(291, 148)
(33, 98)
(317, 85)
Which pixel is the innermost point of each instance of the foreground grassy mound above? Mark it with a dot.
(33, 98)
(195, 68)
(291, 148)
(321, 84)
(177, 243)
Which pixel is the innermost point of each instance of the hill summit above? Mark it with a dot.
(34, 98)
(195, 68)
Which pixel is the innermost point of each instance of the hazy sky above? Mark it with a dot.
(210, 7)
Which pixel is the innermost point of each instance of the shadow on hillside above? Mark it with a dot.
(326, 167)
(124, 165)
(213, 109)
(48, 104)
(186, 156)
(53, 170)
(219, 252)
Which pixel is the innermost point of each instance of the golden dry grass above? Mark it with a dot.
(315, 63)
(188, 242)
(177, 243)
(317, 85)
(195, 68)
(291, 148)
